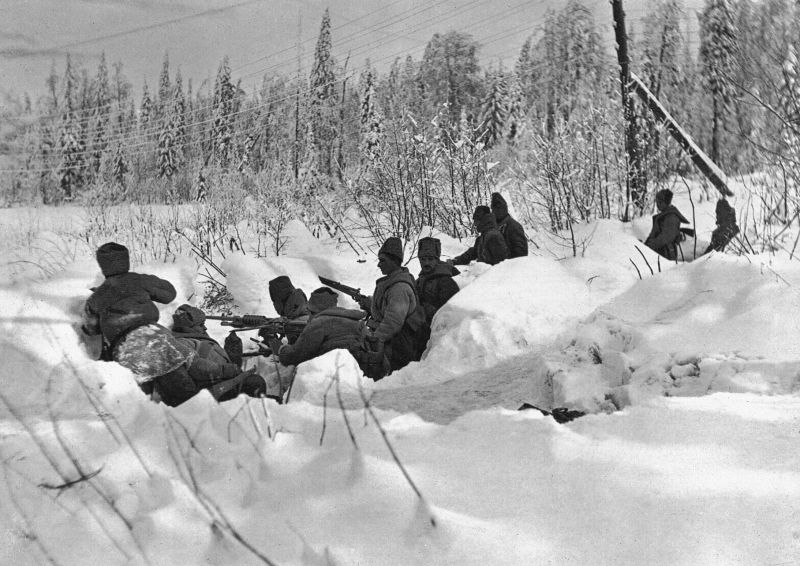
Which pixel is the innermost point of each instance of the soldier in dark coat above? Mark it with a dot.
(435, 283)
(329, 327)
(490, 246)
(288, 301)
(397, 323)
(665, 236)
(123, 311)
(726, 227)
(512, 231)
(212, 368)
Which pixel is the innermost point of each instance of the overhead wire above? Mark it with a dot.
(156, 127)
(250, 109)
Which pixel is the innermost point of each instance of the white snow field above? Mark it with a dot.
(688, 455)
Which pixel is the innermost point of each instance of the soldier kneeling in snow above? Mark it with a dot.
(435, 285)
(665, 236)
(123, 311)
(212, 367)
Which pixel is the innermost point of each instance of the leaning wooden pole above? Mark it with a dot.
(635, 178)
(703, 162)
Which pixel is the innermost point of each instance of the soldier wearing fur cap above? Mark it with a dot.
(665, 236)
(397, 320)
(435, 284)
(490, 246)
(123, 311)
(512, 231)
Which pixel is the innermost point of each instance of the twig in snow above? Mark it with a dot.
(641, 253)
(30, 532)
(70, 483)
(344, 411)
(636, 268)
(396, 459)
(218, 517)
(325, 411)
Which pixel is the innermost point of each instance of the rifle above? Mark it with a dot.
(279, 326)
(352, 292)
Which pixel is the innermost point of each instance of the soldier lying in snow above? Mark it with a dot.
(212, 368)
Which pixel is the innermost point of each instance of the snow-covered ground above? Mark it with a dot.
(689, 454)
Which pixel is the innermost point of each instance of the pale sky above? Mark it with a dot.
(259, 36)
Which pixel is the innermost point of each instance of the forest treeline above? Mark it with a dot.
(424, 141)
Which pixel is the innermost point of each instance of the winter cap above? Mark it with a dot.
(666, 194)
(321, 299)
(280, 289)
(393, 247)
(429, 247)
(113, 259)
(187, 316)
(480, 212)
(498, 201)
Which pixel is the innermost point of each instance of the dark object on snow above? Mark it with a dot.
(512, 231)
(665, 235)
(726, 228)
(560, 414)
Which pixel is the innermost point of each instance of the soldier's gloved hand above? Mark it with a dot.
(365, 303)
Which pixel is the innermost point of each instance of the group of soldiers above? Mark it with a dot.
(390, 329)
(666, 234)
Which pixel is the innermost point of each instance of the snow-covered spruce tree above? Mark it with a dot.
(494, 111)
(119, 168)
(569, 61)
(145, 111)
(167, 161)
(664, 72)
(717, 55)
(449, 75)
(515, 117)
(222, 124)
(163, 104)
(101, 115)
(71, 148)
(322, 99)
(370, 119)
(200, 187)
(179, 114)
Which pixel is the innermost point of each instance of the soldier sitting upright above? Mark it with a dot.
(726, 227)
(665, 236)
(490, 246)
(397, 324)
(435, 283)
(512, 231)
